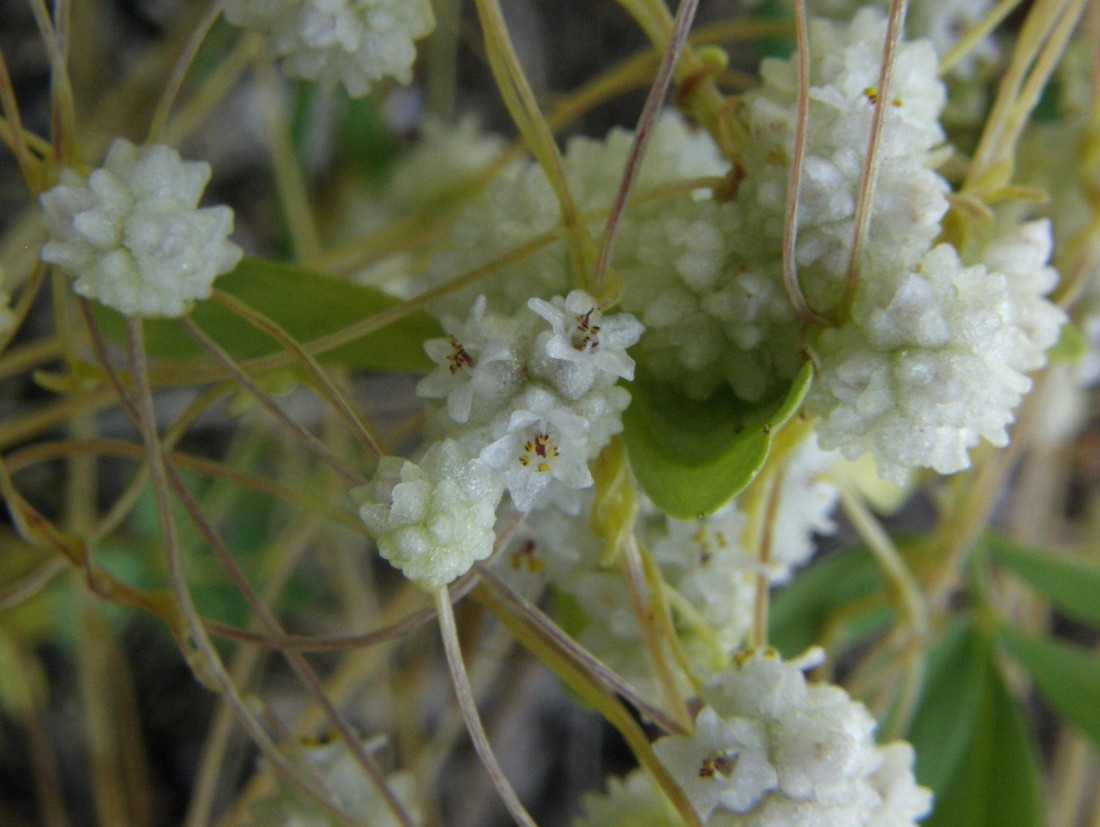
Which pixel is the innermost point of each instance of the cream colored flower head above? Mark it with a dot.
(132, 234)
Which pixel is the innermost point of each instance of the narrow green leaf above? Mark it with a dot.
(691, 457)
(999, 781)
(1072, 584)
(950, 706)
(845, 584)
(307, 305)
(1067, 676)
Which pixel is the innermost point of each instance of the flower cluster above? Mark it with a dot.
(935, 356)
(353, 42)
(771, 749)
(709, 567)
(132, 235)
(433, 519)
(714, 265)
(528, 400)
(520, 206)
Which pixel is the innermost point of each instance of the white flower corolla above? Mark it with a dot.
(433, 519)
(353, 42)
(542, 441)
(629, 802)
(479, 369)
(348, 782)
(132, 234)
(584, 345)
(770, 749)
(935, 359)
(722, 762)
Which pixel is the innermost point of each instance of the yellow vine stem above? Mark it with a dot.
(1081, 248)
(632, 73)
(1041, 41)
(33, 353)
(15, 137)
(179, 71)
(794, 181)
(246, 661)
(184, 622)
(662, 604)
(33, 527)
(549, 651)
(191, 114)
(27, 697)
(308, 439)
(694, 75)
(913, 604)
(614, 510)
(763, 582)
(198, 372)
(62, 104)
(521, 104)
(298, 664)
(647, 616)
(453, 649)
(289, 183)
(609, 294)
(31, 584)
(976, 34)
(325, 385)
(869, 175)
(532, 618)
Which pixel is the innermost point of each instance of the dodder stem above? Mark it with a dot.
(468, 708)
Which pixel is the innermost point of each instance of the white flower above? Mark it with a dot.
(477, 362)
(132, 235)
(354, 42)
(722, 762)
(432, 520)
(770, 750)
(584, 343)
(542, 441)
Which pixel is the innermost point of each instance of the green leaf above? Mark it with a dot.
(950, 706)
(1068, 678)
(305, 304)
(1072, 584)
(839, 588)
(999, 780)
(691, 457)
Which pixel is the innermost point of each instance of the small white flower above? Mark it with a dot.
(770, 749)
(722, 761)
(353, 42)
(477, 364)
(132, 235)
(543, 441)
(432, 520)
(584, 343)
